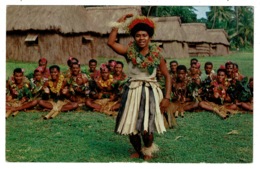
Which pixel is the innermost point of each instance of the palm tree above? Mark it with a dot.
(186, 13)
(241, 31)
(219, 16)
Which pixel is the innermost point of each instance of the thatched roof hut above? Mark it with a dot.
(197, 38)
(57, 32)
(61, 19)
(219, 40)
(99, 20)
(168, 32)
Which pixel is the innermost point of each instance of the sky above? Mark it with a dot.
(201, 11)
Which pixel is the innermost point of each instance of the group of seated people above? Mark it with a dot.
(55, 91)
(224, 92)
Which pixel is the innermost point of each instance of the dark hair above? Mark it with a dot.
(142, 27)
(174, 61)
(251, 79)
(181, 67)
(221, 70)
(193, 59)
(208, 63)
(69, 61)
(73, 63)
(121, 63)
(228, 63)
(107, 66)
(36, 70)
(111, 60)
(54, 67)
(235, 64)
(17, 70)
(92, 60)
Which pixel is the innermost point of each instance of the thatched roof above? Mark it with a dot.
(65, 19)
(218, 36)
(100, 17)
(196, 32)
(168, 29)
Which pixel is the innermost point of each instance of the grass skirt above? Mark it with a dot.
(140, 109)
(106, 106)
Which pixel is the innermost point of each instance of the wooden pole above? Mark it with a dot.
(15, 113)
(55, 114)
(48, 115)
(8, 113)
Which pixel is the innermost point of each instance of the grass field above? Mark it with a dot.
(88, 136)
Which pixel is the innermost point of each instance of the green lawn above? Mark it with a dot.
(88, 136)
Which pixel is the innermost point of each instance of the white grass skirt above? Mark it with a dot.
(140, 109)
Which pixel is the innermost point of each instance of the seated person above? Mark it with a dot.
(71, 60)
(220, 101)
(54, 94)
(120, 78)
(78, 85)
(194, 74)
(236, 74)
(103, 97)
(183, 97)
(208, 73)
(36, 83)
(244, 99)
(92, 73)
(173, 69)
(45, 71)
(18, 94)
(193, 61)
(118, 72)
(112, 64)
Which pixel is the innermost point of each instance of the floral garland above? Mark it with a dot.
(72, 81)
(150, 61)
(22, 92)
(120, 77)
(220, 89)
(59, 85)
(36, 86)
(106, 83)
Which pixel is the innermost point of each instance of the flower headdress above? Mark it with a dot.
(222, 67)
(44, 60)
(40, 69)
(70, 58)
(140, 19)
(104, 67)
(129, 24)
(113, 63)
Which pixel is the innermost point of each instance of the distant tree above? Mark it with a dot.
(202, 20)
(242, 27)
(219, 16)
(186, 13)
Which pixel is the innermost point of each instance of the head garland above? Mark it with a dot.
(104, 67)
(139, 20)
(130, 24)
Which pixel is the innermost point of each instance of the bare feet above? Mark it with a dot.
(135, 155)
(147, 157)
